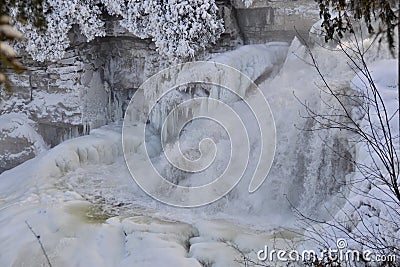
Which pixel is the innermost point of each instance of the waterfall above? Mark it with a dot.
(305, 172)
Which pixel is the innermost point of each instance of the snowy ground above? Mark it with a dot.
(80, 199)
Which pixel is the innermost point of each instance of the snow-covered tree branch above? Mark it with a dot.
(179, 28)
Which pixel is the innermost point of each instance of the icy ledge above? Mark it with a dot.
(102, 146)
(75, 232)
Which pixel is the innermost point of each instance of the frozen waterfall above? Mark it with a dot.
(88, 176)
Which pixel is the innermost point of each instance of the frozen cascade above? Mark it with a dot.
(296, 177)
(305, 172)
(252, 60)
(90, 170)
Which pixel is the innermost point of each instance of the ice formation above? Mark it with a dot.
(81, 199)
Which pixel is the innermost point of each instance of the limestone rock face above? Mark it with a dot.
(275, 20)
(92, 85)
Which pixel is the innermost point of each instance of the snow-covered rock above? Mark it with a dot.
(19, 140)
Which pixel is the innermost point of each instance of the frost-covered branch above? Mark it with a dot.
(367, 109)
(50, 43)
(179, 28)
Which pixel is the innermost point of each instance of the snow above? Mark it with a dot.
(55, 107)
(61, 15)
(19, 140)
(259, 59)
(74, 232)
(376, 200)
(80, 198)
(179, 30)
(368, 215)
(17, 125)
(232, 120)
(385, 76)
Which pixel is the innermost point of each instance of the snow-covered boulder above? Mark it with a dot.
(19, 140)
